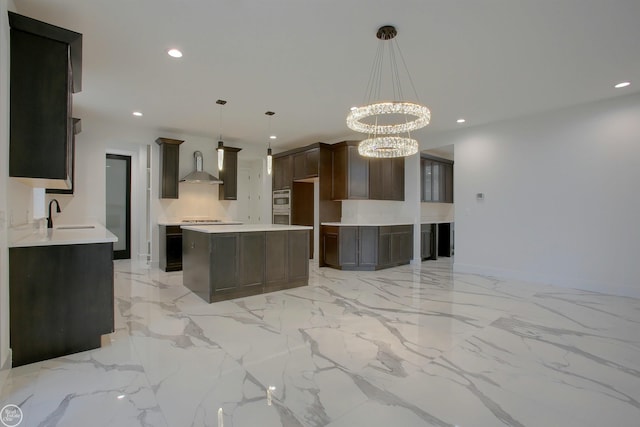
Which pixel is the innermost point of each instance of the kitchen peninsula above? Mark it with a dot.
(353, 246)
(61, 290)
(232, 261)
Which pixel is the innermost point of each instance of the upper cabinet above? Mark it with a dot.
(169, 167)
(46, 68)
(77, 128)
(386, 179)
(361, 178)
(228, 190)
(282, 172)
(436, 179)
(350, 173)
(305, 164)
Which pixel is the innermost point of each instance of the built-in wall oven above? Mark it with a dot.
(282, 207)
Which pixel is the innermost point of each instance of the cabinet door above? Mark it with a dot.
(305, 164)
(282, 173)
(224, 261)
(348, 247)
(39, 108)
(312, 159)
(358, 183)
(384, 246)
(251, 260)
(169, 167)
(376, 179)
(331, 244)
(350, 174)
(396, 189)
(298, 270)
(386, 179)
(229, 175)
(426, 241)
(368, 247)
(277, 253)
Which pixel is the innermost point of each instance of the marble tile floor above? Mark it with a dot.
(409, 346)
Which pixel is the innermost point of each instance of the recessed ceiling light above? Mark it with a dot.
(460, 121)
(175, 53)
(353, 108)
(272, 137)
(122, 396)
(137, 113)
(622, 84)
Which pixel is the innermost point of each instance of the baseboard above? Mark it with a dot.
(6, 364)
(617, 289)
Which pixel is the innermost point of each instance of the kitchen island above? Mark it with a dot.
(61, 290)
(221, 263)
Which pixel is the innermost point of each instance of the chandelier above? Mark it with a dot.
(389, 123)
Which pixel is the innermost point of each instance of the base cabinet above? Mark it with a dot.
(222, 266)
(427, 241)
(367, 247)
(170, 248)
(61, 299)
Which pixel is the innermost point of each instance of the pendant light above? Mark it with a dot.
(220, 144)
(269, 156)
(376, 118)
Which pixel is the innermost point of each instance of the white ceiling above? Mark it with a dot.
(309, 60)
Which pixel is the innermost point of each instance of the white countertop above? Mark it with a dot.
(380, 224)
(354, 224)
(63, 234)
(180, 222)
(244, 228)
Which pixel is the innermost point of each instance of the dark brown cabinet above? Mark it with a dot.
(77, 128)
(427, 241)
(436, 180)
(305, 164)
(221, 266)
(170, 247)
(61, 299)
(396, 243)
(46, 69)
(386, 179)
(228, 190)
(282, 172)
(367, 247)
(169, 167)
(360, 178)
(350, 173)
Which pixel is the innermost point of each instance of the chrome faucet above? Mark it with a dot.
(50, 218)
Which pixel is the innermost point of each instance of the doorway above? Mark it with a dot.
(118, 203)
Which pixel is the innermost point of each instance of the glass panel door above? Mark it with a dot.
(118, 195)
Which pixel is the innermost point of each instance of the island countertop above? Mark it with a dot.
(181, 222)
(244, 228)
(26, 236)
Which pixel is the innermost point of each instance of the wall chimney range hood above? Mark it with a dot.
(199, 175)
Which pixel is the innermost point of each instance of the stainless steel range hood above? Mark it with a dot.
(199, 175)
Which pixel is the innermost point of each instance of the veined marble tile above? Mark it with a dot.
(415, 345)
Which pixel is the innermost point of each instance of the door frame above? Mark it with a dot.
(126, 252)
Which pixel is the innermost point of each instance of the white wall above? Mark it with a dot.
(561, 203)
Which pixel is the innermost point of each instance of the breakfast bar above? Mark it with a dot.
(232, 261)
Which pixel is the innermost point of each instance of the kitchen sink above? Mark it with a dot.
(75, 227)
